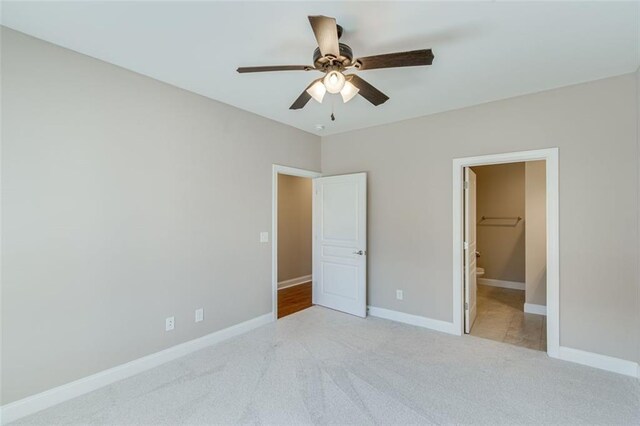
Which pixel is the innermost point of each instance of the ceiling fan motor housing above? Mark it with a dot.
(329, 62)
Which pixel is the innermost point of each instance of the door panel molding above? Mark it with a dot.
(340, 243)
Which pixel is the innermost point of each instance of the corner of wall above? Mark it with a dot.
(638, 194)
(322, 140)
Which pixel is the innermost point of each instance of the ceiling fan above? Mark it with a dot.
(334, 58)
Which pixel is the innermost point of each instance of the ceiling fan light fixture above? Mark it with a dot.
(317, 91)
(334, 81)
(348, 92)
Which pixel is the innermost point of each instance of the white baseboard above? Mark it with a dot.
(603, 362)
(515, 285)
(294, 281)
(437, 325)
(32, 404)
(532, 308)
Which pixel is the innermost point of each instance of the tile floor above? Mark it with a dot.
(501, 317)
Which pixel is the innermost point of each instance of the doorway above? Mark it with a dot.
(336, 236)
(505, 225)
(499, 269)
(294, 244)
(292, 239)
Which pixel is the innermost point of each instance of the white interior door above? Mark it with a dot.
(470, 246)
(340, 243)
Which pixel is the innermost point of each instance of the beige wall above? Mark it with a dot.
(500, 193)
(536, 232)
(294, 227)
(125, 201)
(409, 167)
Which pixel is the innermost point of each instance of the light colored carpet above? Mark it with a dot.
(324, 367)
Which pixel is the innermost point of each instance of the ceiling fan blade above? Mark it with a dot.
(326, 32)
(392, 60)
(367, 91)
(304, 97)
(242, 70)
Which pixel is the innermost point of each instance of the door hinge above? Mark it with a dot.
(466, 245)
(466, 306)
(466, 184)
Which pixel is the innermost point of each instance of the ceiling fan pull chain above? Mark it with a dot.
(333, 117)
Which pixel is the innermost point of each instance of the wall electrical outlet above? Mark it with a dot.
(199, 314)
(264, 237)
(399, 294)
(169, 323)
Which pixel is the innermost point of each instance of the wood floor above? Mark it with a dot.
(501, 317)
(294, 299)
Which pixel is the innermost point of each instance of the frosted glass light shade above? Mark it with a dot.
(317, 91)
(334, 81)
(348, 92)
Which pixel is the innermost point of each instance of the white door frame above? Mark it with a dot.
(280, 170)
(549, 155)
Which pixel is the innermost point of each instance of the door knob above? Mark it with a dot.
(359, 252)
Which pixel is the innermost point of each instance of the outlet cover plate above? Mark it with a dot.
(199, 315)
(170, 323)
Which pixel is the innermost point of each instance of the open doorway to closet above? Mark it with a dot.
(506, 260)
(505, 225)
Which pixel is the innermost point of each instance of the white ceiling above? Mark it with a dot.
(484, 51)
